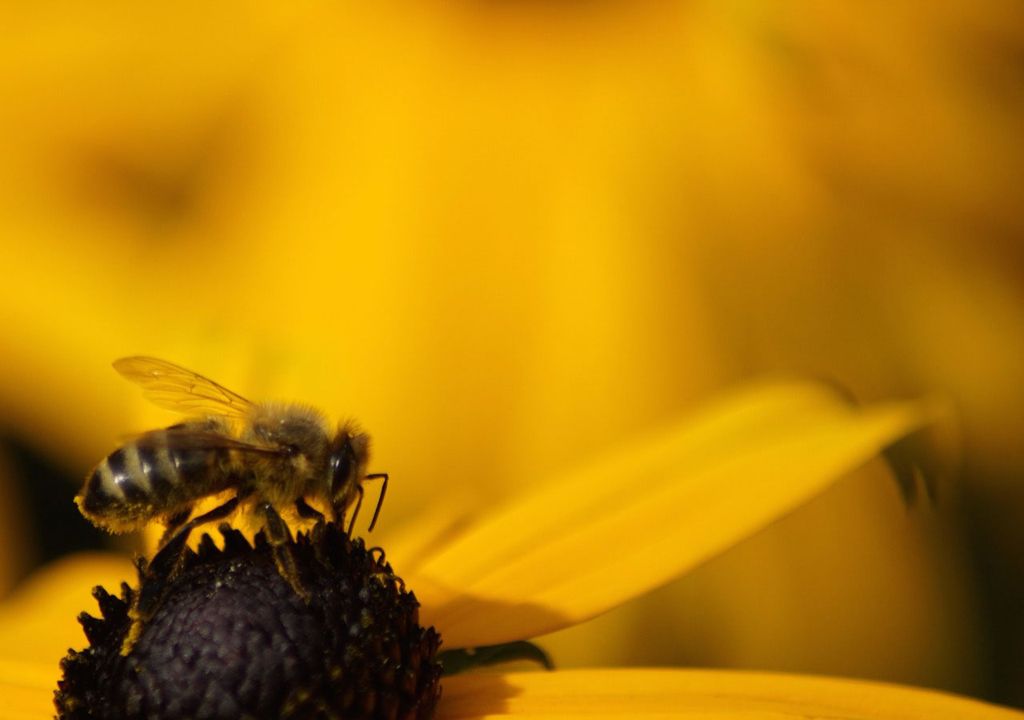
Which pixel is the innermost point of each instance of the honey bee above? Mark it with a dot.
(271, 457)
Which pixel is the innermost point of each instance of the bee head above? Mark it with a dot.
(350, 452)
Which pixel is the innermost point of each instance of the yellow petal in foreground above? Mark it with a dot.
(27, 690)
(698, 694)
(650, 511)
(39, 622)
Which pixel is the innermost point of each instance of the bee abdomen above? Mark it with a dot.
(155, 477)
(119, 493)
(126, 475)
(142, 481)
(160, 469)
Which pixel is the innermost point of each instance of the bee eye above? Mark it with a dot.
(341, 468)
(292, 449)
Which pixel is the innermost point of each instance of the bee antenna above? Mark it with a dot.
(355, 513)
(380, 498)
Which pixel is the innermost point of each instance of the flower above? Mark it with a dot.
(543, 224)
(578, 546)
(226, 636)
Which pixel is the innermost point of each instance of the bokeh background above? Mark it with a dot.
(505, 234)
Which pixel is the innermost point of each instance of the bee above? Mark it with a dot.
(270, 457)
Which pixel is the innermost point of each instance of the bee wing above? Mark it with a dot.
(173, 387)
(192, 439)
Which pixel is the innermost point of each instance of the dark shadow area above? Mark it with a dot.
(463, 660)
(997, 548)
(54, 526)
(505, 622)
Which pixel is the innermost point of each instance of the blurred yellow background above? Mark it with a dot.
(504, 234)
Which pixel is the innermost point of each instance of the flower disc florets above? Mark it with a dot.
(232, 639)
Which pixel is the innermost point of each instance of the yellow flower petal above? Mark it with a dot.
(416, 539)
(27, 690)
(649, 512)
(698, 694)
(38, 624)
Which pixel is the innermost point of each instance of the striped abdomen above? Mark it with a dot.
(149, 479)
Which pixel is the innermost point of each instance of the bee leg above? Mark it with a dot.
(280, 538)
(164, 567)
(339, 512)
(380, 497)
(307, 511)
(168, 561)
(174, 523)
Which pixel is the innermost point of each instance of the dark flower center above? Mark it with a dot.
(231, 639)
